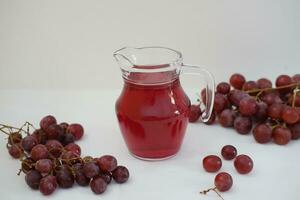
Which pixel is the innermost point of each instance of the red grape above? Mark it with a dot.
(38, 152)
(90, 169)
(33, 179)
(223, 88)
(283, 80)
(29, 142)
(64, 126)
(48, 185)
(227, 117)
(212, 163)
(235, 96)
(53, 131)
(248, 106)
(107, 163)
(229, 152)
(275, 110)
(295, 130)
(220, 103)
(106, 176)
(243, 164)
(67, 139)
(262, 133)
(290, 115)
(250, 85)
(223, 181)
(282, 135)
(262, 111)
(44, 166)
(296, 100)
(211, 120)
(15, 151)
(194, 113)
(76, 130)
(271, 98)
(296, 78)
(264, 83)
(120, 174)
(75, 148)
(98, 185)
(40, 136)
(64, 177)
(47, 121)
(237, 81)
(242, 125)
(54, 147)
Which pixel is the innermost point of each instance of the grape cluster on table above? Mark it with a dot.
(272, 113)
(50, 158)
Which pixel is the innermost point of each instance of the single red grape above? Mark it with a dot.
(242, 125)
(295, 130)
(212, 163)
(237, 81)
(53, 131)
(243, 164)
(38, 152)
(264, 83)
(229, 152)
(223, 88)
(40, 136)
(262, 133)
(64, 126)
(262, 112)
(223, 181)
(48, 185)
(290, 115)
(98, 185)
(107, 163)
(248, 106)
(226, 118)
(250, 85)
(75, 148)
(44, 166)
(275, 110)
(90, 169)
(47, 121)
(211, 120)
(220, 103)
(33, 179)
(296, 78)
(106, 176)
(64, 177)
(281, 135)
(67, 139)
(283, 80)
(194, 113)
(15, 151)
(76, 130)
(120, 174)
(54, 147)
(29, 142)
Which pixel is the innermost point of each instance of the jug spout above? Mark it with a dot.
(125, 57)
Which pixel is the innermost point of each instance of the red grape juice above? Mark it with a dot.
(153, 118)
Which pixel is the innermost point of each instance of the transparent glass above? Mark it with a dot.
(153, 108)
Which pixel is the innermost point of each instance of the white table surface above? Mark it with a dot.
(275, 176)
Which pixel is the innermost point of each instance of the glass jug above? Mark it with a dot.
(153, 109)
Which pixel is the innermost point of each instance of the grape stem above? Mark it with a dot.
(212, 189)
(296, 90)
(277, 88)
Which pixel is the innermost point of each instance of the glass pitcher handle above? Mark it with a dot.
(210, 87)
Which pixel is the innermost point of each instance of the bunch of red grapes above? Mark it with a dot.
(223, 180)
(274, 112)
(50, 158)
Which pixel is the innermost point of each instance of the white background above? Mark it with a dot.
(60, 44)
(50, 49)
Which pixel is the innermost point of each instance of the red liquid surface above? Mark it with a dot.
(153, 118)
